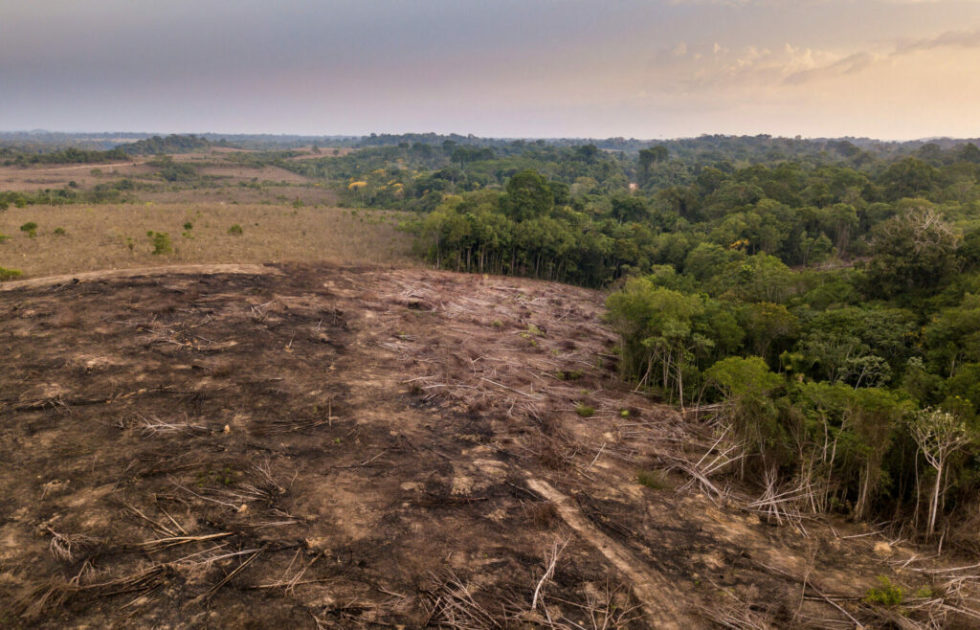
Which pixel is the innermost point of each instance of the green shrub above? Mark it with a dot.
(60, 231)
(925, 592)
(188, 225)
(888, 595)
(9, 274)
(586, 411)
(29, 228)
(653, 479)
(235, 230)
(3, 237)
(161, 242)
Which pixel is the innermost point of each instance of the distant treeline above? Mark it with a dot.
(614, 214)
(11, 157)
(171, 144)
(723, 145)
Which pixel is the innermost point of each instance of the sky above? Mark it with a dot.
(888, 69)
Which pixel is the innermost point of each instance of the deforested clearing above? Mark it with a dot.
(368, 447)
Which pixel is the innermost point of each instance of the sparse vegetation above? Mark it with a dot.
(235, 230)
(584, 410)
(9, 274)
(886, 594)
(29, 228)
(160, 242)
(653, 479)
(106, 236)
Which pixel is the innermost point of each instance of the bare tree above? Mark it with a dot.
(938, 434)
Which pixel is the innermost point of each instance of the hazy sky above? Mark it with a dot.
(889, 69)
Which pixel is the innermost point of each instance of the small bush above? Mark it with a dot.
(161, 242)
(188, 226)
(586, 411)
(60, 231)
(29, 228)
(3, 237)
(925, 592)
(888, 595)
(9, 274)
(235, 230)
(653, 479)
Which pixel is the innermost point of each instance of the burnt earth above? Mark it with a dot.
(317, 446)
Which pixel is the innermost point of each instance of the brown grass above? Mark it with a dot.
(99, 237)
(37, 177)
(223, 180)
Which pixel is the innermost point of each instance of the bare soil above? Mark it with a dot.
(317, 446)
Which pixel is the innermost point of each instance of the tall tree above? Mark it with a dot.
(528, 196)
(938, 435)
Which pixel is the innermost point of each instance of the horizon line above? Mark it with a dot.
(39, 131)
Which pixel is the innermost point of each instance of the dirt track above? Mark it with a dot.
(314, 446)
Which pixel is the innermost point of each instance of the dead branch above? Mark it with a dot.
(556, 550)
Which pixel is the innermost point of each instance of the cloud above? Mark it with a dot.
(949, 39)
(862, 60)
(687, 68)
(704, 68)
(848, 65)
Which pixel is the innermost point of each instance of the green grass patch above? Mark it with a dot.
(653, 479)
(888, 594)
(586, 411)
(9, 274)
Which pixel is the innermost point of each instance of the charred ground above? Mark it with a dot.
(322, 446)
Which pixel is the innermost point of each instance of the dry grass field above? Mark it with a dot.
(221, 179)
(30, 178)
(215, 163)
(115, 236)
